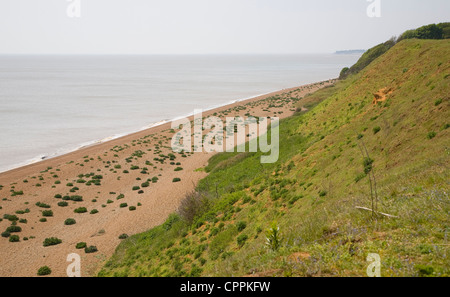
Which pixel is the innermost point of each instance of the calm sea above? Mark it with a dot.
(50, 105)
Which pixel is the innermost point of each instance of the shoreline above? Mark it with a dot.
(46, 182)
(85, 145)
(44, 157)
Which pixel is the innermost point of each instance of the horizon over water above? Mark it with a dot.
(51, 105)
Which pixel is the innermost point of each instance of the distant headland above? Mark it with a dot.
(350, 52)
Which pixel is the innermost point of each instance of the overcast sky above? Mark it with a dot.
(207, 26)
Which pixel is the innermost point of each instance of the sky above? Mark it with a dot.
(207, 26)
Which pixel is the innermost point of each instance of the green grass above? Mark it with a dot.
(305, 204)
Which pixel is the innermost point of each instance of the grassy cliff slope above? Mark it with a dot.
(378, 139)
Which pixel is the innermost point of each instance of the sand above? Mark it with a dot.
(40, 182)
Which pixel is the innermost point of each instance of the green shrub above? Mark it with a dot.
(131, 208)
(69, 222)
(241, 226)
(123, 205)
(273, 237)
(45, 270)
(242, 239)
(42, 220)
(91, 249)
(19, 212)
(178, 169)
(6, 234)
(431, 135)
(14, 238)
(123, 236)
(13, 229)
(17, 193)
(135, 188)
(376, 130)
(42, 205)
(76, 198)
(368, 165)
(81, 245)
(177, 179)
(47, 213)
(424, 270)
(11, 218)
(94, 211)
(63, 203)
(80, 210)
(432, 31)
(51, 241)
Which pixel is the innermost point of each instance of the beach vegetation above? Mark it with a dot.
(47, 213)
(69, 222)
(80, 245)
(14, 238)
(90, 249)
(44, 270)
(80, 210)
(51, 241)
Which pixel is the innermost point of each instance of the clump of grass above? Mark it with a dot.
(376, 130)
(438, 102)
(431, 135)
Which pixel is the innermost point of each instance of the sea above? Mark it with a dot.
(51, 105)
